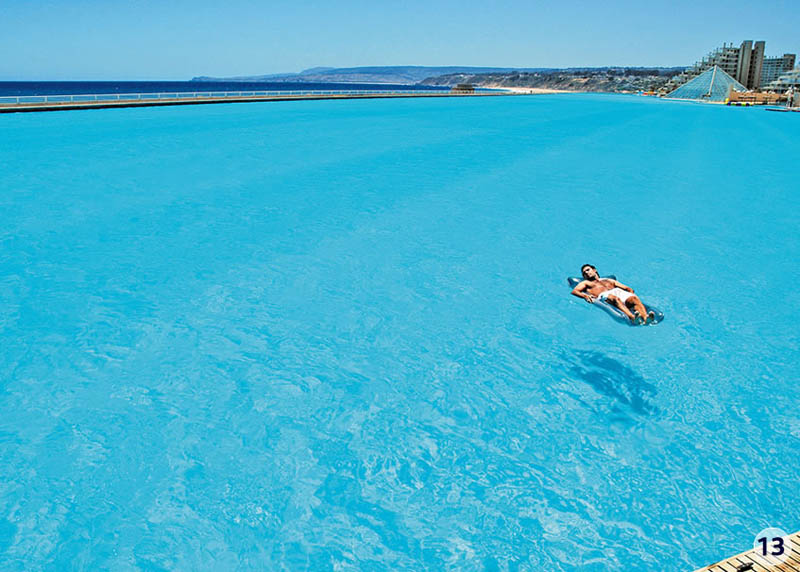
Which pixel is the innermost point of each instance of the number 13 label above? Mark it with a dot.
(773, 544)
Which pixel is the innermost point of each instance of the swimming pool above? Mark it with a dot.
(337, 335)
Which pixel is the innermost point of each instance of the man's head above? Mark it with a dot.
(589, 272)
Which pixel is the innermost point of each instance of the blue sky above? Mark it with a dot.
(148, 39)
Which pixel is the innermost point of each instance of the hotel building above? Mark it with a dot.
(773, 68)
(745, 63)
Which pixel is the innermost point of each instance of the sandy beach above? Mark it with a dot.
(527, 90)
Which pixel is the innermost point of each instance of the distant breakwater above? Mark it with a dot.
(199, 99)
(22, 88)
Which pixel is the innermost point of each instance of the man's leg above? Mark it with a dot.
(637, 305)
(618, 303)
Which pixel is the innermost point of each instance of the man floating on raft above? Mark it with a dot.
(615, 293)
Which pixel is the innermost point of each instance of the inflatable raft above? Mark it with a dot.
(615, 312)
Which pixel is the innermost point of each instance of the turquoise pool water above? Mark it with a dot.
(338, 335)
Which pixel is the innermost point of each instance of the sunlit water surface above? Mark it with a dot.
(338, 335)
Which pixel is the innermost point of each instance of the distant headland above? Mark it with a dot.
(608, 79)
(398, 75)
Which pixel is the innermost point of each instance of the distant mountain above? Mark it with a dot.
(407, 75)
(614, 79)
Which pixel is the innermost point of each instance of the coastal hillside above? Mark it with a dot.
(408, 75)
(606, 79)
(619, 80)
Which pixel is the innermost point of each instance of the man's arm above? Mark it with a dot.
(623, 287)
(579, 292)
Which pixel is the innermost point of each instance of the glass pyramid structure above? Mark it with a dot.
(711, 85)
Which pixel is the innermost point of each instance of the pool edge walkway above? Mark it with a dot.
(110, 104)
(753, 560)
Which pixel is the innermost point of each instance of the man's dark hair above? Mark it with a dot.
(589, 265)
